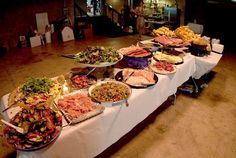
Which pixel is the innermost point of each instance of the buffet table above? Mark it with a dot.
(91, 137)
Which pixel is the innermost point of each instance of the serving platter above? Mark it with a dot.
(162, 71)
(147, 55)
(105, 64)
(98, 56)
(77, 81)
(38, 134)
(149, 46)
(172, 59)
(119, 77)
(35, 92)
(174, 52)
(171, 42)
(137, 63)
(135, 52)
(110, 92)
(79, 107)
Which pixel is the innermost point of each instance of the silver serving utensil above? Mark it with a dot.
(126, 102)
(90, 71)
(68, 120)
(129, 76)
(70, 56)
(18, 129)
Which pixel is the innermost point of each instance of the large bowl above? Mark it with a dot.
(118, 87)
(102, 64)
(136, 63)
(30, 140)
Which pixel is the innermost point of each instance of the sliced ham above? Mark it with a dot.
(162, 65)
(137, 81)
(76, 105)
(170, 41)
(134, 51)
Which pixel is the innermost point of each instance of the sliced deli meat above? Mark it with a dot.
(138, 77)
(76, 105)
(170, 41)
(163, 67)
(134, 51)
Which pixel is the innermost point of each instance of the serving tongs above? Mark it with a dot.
(88, 73)
(68, 120)
(18, 129)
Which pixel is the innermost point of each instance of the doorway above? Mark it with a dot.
(94, 7)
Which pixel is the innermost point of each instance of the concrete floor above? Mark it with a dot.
(202, 127)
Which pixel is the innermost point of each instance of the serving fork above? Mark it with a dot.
(18, 129)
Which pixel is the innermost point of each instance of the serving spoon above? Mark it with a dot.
(90, 71)
(18, 129)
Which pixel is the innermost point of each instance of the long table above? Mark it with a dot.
(91, 137)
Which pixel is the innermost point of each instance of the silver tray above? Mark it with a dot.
(71, 120)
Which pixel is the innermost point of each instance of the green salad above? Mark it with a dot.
(110, 92)
(37, 85)
(98, 55)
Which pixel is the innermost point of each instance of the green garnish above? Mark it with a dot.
(37, 85)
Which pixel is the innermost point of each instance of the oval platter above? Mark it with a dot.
(119, 77)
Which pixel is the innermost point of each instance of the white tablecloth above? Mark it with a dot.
(91, 137)
(206, 64)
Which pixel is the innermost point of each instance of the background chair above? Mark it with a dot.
(196, 28)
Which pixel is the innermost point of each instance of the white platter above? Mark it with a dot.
(109, 103)
(104, 64)
(163, 72)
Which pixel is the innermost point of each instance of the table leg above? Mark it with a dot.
(173, 101)
(195, 85)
